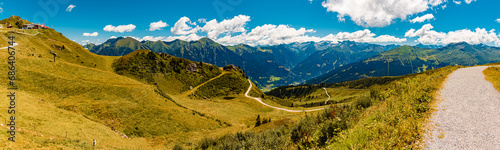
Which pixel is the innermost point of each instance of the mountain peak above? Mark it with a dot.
(205, 39)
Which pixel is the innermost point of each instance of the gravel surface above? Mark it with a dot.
(469, 115)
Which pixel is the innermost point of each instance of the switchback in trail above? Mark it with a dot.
(284, 109)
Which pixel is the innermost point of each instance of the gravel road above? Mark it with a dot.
(469, 115)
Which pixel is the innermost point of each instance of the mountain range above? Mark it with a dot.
(411, 59)
(267, 66)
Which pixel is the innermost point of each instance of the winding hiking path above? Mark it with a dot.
(469, 115)
(284, 109)
(326, 95)
(196, 88)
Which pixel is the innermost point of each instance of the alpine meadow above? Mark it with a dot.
(231, 75)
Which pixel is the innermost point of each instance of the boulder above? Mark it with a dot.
(193, 68)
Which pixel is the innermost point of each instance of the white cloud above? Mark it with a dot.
(422, 18)
(378, 13)
(480, 35)
(361, 36)
(1, 10)
(157, 25)
(498, 20)
(183, 27)
(120, 28)
(190, 37)
(70, 8)
(273, 34)
(152, 38)
(469, 1)
(112, 37)
(233, 31)
(90, 34)
(235, 25)
(85, 41)
(202, 20)
(457, 2)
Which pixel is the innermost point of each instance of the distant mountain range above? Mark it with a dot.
(336, 56)
(410, 59)
(314, 62)
(268, 66)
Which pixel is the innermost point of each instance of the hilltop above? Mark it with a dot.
(14, 21)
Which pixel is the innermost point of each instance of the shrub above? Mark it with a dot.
(363, 101)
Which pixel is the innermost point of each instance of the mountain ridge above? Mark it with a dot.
(410, 59)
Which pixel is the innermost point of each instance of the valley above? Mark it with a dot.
(130, 94)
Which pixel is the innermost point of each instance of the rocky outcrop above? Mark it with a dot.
(193, 68)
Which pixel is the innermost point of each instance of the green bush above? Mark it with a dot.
(363, 101)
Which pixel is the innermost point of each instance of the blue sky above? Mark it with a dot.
(268, 22)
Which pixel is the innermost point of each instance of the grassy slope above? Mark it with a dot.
(336, 94)
(493, 75)
(80, 96)
(398, 117)
(391, 117)
(36, 101)
(85, 99)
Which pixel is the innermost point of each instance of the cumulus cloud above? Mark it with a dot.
(184, 26)
(498, 20)
(90, 34)
(202, 20)
(469, 1)
(422, 18)
(427, 35)
(157, 25)
(378, 13)
(457, 2)
(278, 34)
(152, 38)
(190, 37)
(70, 8)
(113, 37)
(235, 25)
(234, 31)
(120, 28)
(1, 10)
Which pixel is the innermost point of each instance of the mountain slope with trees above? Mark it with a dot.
(408, 59)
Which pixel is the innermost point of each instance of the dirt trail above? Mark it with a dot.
(469, 115)
(326, 95)
(284, 109)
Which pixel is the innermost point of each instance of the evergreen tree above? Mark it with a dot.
(258, 123)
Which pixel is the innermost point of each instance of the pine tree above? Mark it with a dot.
(258, 123)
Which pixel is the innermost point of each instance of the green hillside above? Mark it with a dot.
(14, 21)
(385, 113)
(408, 59)
(83, 96)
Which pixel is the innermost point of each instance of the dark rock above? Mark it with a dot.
(193, 68)
(230, 67)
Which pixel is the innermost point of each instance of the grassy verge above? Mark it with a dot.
(493, 75)
(391, 117)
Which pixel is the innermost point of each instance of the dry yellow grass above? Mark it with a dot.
(68, 103)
